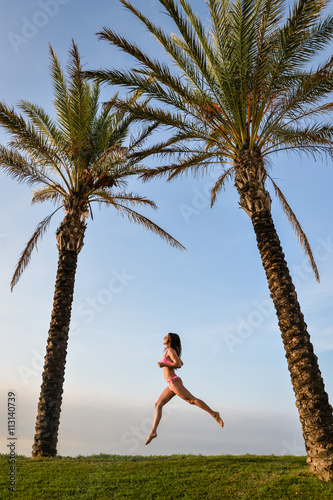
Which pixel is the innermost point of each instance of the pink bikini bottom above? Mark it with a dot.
(169, 381)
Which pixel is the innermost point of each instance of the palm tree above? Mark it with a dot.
(242, 90)
(79, 160)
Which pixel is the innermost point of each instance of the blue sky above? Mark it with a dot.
(132, 288)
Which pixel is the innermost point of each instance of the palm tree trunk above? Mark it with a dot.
(315, 412)
(69, 241)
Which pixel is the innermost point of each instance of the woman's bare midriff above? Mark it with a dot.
(168, 372)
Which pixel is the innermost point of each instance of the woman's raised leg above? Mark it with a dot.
(162, 400)
(182, 392)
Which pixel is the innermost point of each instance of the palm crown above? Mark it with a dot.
(243, 85)
(79, 160)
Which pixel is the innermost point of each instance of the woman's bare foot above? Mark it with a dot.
(151, 436)
(218, 419)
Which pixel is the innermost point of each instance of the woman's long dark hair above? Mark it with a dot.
(175, 343)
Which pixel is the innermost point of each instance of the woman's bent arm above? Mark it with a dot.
(176, 361)
(169, 365)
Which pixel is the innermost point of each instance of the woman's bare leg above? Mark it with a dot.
(162, 400)
(182, 392)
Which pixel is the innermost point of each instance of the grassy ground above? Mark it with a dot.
(166, 477)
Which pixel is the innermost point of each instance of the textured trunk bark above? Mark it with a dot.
(70, 241)
(315, 412)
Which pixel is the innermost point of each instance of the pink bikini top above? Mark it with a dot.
(164, 360)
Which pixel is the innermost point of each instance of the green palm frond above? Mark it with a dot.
(148, 224)
(134, 199)
(189, 56)
(116, 121)
(25, 137)
(124, 170)
(31, 245)
(185, 129)
(315, 140)
(165, 149)
(301, 37)
(42, 121)
(296, 227)
(103, 196)
(47, 194)
(171, 90)
(48, 129)
(80, 101)
(138, 141)
(220, 184)
(164, 117)
(195, 163)
(271, 15)
(300, 103)
(61, 99)
(21, 168)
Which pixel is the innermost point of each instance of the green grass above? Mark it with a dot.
(165, 477)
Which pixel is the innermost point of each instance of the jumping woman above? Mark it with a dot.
(170, 362)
